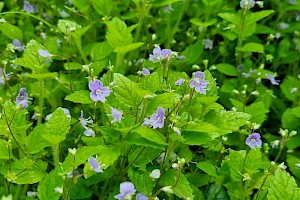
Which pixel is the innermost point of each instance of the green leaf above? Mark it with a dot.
(11, 31)
(198, 22)
(82, 155)
(160, 3)
(150, 134)
(235, 161)
(208, 168)
(197, 138)
(143, 155)
(24, 171)
(136, 139)
(151, 82)
(127, 48)
(256, 16)
(257, 111)
(80, 190)
(35, 142)
(101, 50)
(227, 121)
(102, 7)
(252, 47)
(46, 188)
(227, 69)
(4, 149)
(182, 188)
(253, 160)
(287, 85)
(231, 17)
(72, 66)
(165, 100)
(42, 76)
(211, 89)
(290, 120)
(81, 96)
(283, 186)
(57, 127)
(141, 181)
(31, 58)
(118, 34)
(128, 91)
(67, 26)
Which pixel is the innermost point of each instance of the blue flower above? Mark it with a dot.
(208, 44)
(272, 79)
(179, 82)
(156, 120)
(22, 98)
(87, 124)
(95, 165)
(3, 77)
(27, 7)
(116, 114)
(140, 196)
(98, 91)
(45, 54)
(17, 45)
(247, 4)
(126, 191)
(159, 55)
(254, 140)
(198, 82)
(145, 71)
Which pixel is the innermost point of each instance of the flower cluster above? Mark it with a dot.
(98, 91)
(159, 54)
(156, 120)
(198, 82)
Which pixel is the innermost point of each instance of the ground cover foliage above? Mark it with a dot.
(149, 99)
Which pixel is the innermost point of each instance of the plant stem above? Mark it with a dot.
(79, 48)
(18, 192)
(119, 62)
(240, 38)
(41, 100)
(56, 155)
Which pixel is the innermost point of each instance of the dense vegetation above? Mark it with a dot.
(149, 99)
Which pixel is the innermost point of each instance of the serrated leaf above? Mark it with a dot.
(117, 34)
(102, 7)
(101, 50)
(127, 48)
(198, 22)
(256, 16)
(150, 134)
(227, 121)
(57, 127)
(182, 188)
(283, 186)
(227, 69)
(42, 76)
(235, 161)
(253, 160)
(66, 26)
(231, 17)
(11, 31)
(141, 181)
(288, 84)
(151, 82)
(136, 139)
(289, 120)
(257, 111)
(197, 138)
(208, 168)
(4, 150)
(211, 89)
(128, 91)
(81, 96)
(72, 66)
(252, 47)
(35, 142)
(46, 188)
(165, 100)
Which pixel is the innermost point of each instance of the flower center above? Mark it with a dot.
(253, 140)
(98, 91)
(22, 97)
(158, 119)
